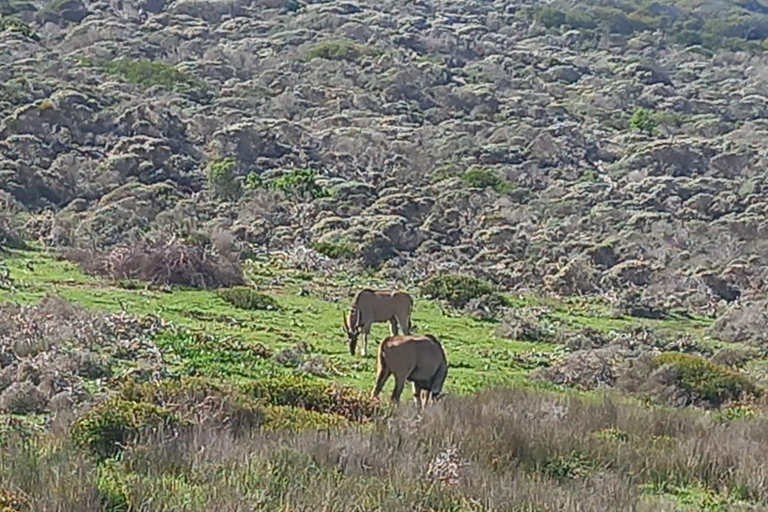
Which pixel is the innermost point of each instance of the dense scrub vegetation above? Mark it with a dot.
(191, 192)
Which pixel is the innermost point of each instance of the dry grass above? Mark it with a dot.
(505, 450)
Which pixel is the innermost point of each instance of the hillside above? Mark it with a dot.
(193, 190)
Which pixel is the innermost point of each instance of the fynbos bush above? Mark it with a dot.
(246, 298)
(457, 290)
(106, 428)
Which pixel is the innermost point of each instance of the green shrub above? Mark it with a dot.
(485, 178)
(10, 502)
(335, 250)
(550, 17)
(300, 184)
(297, 418)
(573, 465)
(148, 73)
(580, 20)
(341, 49)
(222, 179)
(199, 399)
(706, 381)
(643, 120)
(19, 27)
(105, 428)
(457, 290)
(112, 488)
(247, 298)
(688, 38)
(298, 390)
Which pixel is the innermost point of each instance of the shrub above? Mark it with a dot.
(148, 73)
(10, 502)
(705, 381)
(485, 178)
(301, 184)
(106, 428)
(527, 325)
(341, 49)
(163, 261)
(247, 298)
(222, 179)
(457, 290)
(23, 398)
(334, 250)
(19, 27)
(643, 120)
(297, 390)
(550, 17)
(200, 400)
(297, 418)
(10, 237)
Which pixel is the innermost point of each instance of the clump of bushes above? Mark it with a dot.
(10, 502)
(705, 382)
(199, 400)
(300, 184)
(743, 323)
(164, 261)
(10, 237)
(148, 73)
(297, 418)
(222, 179)
(298, 357)
(17, 26)
(297, 390)
(458, 289)
(479, 177)
(107, 427)
(23, 398)
(644, 121)
(247, 298)
(341, 49)
(334, 250)
(527, 325)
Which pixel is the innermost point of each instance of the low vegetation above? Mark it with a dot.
(148, 73)
(164, 261)
(569, 454)
(458, 290)
(246, 298)
(341, 49)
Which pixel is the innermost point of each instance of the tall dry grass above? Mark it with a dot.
(502, 450)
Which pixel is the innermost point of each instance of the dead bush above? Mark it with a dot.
(485, 308)
(732, 357)
(56, 347)
(164, 261)
(743, 323)
(585, 339)
(633, 303)
(23, 398)
(527, 324)
(10, 232)
(576, 276)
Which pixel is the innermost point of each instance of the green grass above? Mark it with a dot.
(477, 357)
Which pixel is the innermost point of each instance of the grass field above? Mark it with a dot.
(478, 358)
(534, 447)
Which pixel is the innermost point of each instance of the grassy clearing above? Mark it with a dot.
(478, 358)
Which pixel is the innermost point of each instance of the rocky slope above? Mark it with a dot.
(618, 150)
